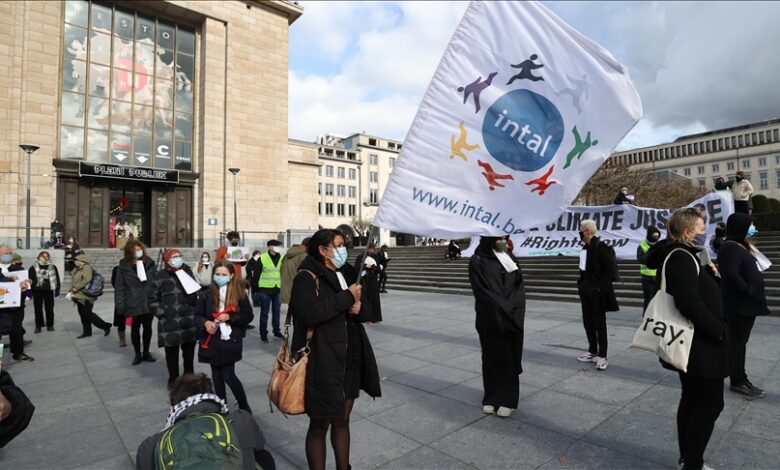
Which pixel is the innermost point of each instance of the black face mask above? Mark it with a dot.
(234, 243)
(739, 178)
(582, 235)
(653, 240)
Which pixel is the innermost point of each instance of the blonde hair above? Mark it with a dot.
(682, 220)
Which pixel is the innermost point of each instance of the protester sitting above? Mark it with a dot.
(192, 397)
(16, 410)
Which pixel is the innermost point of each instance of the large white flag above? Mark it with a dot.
(521, 111)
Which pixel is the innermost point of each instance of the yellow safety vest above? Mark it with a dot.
(642, 268)
(272, 275)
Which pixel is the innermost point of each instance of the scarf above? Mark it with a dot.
(44, 274)
(224, 328)
(506, 261)
(140, 271)
(4, 269)
(189, 402)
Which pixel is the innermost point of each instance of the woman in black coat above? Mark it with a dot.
(499, 295)
(742, 287)
(224, 311)
(326, 299)
(697, 296)
(174, 309)
(132, 291)
(45, 286)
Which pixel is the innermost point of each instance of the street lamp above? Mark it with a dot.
(28, 149)
(235, 207)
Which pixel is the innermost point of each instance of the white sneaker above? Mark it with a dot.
(489, 410)
(707, 467)
(504, 412)
(587, 357)
(602, 363)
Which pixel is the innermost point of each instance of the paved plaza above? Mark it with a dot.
(93, 408)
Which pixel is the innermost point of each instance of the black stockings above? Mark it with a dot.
(135, 333)
(339, 440)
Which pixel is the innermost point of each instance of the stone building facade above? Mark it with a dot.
(139, 109)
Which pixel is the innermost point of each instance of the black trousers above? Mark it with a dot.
(89, 318)
(41, 299)
(226, 374)
(501, 367)
(135, 332)
(648, 290)
(172, 359)
(700, 405)
(742, 207)
(739, 331)
(594, 319)
(17, 330)
(383, 279)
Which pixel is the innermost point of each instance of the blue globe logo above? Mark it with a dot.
(523, 130)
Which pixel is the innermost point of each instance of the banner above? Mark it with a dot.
(623, 227)
(521, 112)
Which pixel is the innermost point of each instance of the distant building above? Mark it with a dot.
(702, 158)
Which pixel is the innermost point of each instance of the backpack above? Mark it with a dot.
(203, 441)
(94, 287)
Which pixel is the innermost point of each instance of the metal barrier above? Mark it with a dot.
(20, 240)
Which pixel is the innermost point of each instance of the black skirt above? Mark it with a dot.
(351, 384)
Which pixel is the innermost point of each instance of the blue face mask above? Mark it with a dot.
(177, 262)
(340, 258)
(6, 259)
(752, 231)
(139, 254)
(221, 280)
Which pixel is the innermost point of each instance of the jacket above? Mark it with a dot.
(174, 309)
(221, 254)
(290, 263)
(499, 297)
(131, 296)
(698, 298)
(600, 271)
(219, 351)
(81, 277)
(21, 410)
(204, 276)
(33, 275)
(328, 314)
(742, 190)
(250, 438)
(253, 273)
(742, 284)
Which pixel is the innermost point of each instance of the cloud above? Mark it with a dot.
(364, 66)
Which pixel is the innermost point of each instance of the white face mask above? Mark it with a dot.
(256, 257)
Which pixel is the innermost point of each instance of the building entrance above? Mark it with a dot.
(107, 213)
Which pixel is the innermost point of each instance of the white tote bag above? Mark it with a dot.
(664, 330)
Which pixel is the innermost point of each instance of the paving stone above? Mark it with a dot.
(493, 442)
(394, 364)
(741, 451)
(439, 352)
(134, 430)
(471, 362)
(537, 374)
(426, 458)
(600, 386)
(393, 395)
(566, 414)
(433, 377)
(760, 419)
(428, 418)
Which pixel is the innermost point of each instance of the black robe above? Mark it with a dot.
(500, 307)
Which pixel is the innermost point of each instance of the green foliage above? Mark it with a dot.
(775, 205)
(761, 204)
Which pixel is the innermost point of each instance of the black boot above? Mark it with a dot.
(147, 357)
(137, 360)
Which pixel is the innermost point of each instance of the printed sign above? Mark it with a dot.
(105, 170)
(10, 295)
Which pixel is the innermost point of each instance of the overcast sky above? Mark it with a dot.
(364, 66)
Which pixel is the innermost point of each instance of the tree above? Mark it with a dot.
(651, 189)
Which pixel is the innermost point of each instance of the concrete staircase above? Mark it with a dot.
(425, 269)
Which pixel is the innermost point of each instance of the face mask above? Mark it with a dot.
(256, 257)
(752, 231)
(739, 178)
(501, 245)
(582, 235)
(652, 240)
(139, 254)
(340, 258)
(221, 280)
(204, 260)
(6, 259)
(177, 262)
(234, 243)
(700, 239)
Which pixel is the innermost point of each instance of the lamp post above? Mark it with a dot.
(235, 207)
(28, 149)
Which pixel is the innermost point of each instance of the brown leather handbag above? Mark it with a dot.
(287, 387)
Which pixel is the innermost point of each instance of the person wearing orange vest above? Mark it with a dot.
(269, 274)
(233, 239)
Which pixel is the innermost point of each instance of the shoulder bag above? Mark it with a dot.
(287, 387)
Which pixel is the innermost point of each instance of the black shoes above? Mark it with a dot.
(27, 342)
(278, 334)
(107, 330)
(147, 357)
(49, 328)
(37, 330)
(264, 338)
(84, 335)
(137, 359)
(22, 358)
(748, 389)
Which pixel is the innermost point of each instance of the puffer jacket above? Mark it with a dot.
(131, 296)
(174, 309)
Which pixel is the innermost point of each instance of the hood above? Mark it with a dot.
(295, 252)
(658, 252)
(84, 259)
(737, 226)
(485, 246)
(651, 231)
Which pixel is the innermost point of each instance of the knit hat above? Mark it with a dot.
(17, 257)
(170, 253)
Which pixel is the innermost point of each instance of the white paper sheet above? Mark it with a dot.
(189, 284)
(10, 295)
(583, 259)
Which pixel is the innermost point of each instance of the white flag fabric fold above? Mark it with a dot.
(521, 111)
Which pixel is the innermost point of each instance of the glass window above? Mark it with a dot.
(319, 188)
(341, 173)
(328, 208)
(730, 166)
(763, 180)
(715, 167)
(329, 189)
(777, 159)
(341, 190)
(329, 170)
(687, 172)
(391, 162)
(373, 196)
(702, 182)
(745, 163)
(762, 161)
(352, 174)
(137, 74)
(352, 210)
(373, 159)
(373, 177)
(352, 191)
(340, 210)
(777, 178)
(700, 169)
